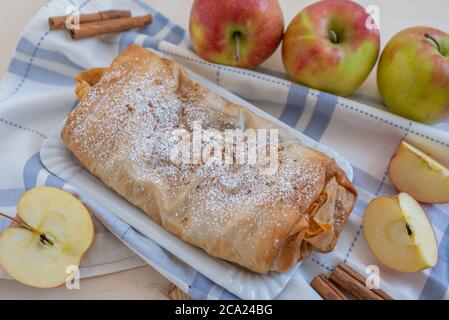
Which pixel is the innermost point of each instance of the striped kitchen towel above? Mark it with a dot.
(37, 93)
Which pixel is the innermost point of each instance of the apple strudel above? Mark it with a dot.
(122, 132)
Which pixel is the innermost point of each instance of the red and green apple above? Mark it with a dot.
(331, 45)
(413, 74)
(234, 32)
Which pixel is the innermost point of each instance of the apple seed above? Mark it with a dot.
(409, 229)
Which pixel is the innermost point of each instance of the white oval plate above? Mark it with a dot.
(241, 282)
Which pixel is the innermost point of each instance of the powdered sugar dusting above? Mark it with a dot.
(126, 122)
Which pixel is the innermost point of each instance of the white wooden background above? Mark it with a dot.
(145, 282)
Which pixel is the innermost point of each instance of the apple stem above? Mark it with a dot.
(42, 236)
(237, 45)
(333, 36)
(432, 38)
(17, 221)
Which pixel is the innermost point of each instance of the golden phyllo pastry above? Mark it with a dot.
(122, 132)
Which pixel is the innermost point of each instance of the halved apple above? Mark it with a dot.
(416, 173)
(399, 234)
(54, 230)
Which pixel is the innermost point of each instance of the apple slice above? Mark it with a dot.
(416, 173)
(399, 234)
(54, 231)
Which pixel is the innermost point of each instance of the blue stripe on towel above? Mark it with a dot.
(150, 43)
(9, 197)
(322, 115)
(362, 178)
(200, 287)
(158, 23)
(39, 74)
(296, 100)
(54, 181)
(126, 39)
(31, 170)
(26, 47)
(437, 217)
(386, 188)
(438, 280)
(175, 35)
(226, 295)
(159, 256)
(359, 207)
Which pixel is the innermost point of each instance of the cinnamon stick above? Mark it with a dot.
(352, 285)
(361, 279)
(59, 22)
(326, 289)
(108, 26)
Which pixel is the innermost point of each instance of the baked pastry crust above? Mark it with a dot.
(120, 132)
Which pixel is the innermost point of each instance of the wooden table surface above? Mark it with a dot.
(145, 282)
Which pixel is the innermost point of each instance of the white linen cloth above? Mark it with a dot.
(37, 93)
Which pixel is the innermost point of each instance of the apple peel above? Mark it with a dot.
(416, 173)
